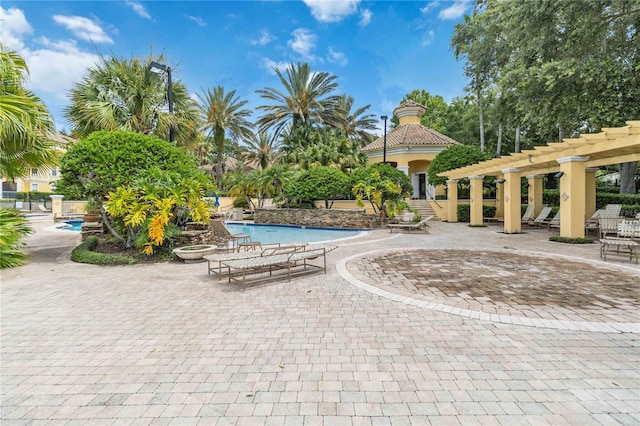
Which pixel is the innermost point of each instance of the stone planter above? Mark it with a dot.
(194, 253)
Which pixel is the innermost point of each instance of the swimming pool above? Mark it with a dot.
(71, 225)
(290, 234)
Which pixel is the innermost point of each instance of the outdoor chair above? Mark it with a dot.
(215, 260)
(416, 226)
(555, 221)
(609, 226)
(626, 241)
(612, 210)
(528, 214)
(593, 223)
(220, 231)
(295, 260)
(541, 218)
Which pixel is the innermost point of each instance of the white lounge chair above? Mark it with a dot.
(541, 218)
(278, 259)
(528, 214)
(417, 226)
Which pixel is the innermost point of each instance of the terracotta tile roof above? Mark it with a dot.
(413, 135)
(409, 103)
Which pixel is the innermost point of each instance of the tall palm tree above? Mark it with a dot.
(223, 113)
(261, 148)
(25, 124)
(24, 144)
(306, 99)
(356, 124)
(124, 94)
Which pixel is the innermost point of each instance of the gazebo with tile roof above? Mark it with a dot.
(411, 146)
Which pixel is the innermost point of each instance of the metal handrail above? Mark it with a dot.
(432, 197)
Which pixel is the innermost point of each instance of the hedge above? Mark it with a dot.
(464, 212)
(84, 254)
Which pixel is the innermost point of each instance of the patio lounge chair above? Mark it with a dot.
(555, 221)
(541, 218)
(612, 210)
(271, 260)
(218, 228)
(417, 226)
(626, 241)
(528, 214)
(214, 261)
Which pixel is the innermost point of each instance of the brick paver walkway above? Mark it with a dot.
(167, 344)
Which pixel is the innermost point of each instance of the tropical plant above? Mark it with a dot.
(124, 94)
(356, 124)
(270, 182)
(261, 148)
(153, 207)
(306, 99)
(25, 123)
(385, 187)
(240, 184)
(13, 229)
(223, 113)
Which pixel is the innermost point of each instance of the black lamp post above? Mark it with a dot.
(384, 149)
(162, 67)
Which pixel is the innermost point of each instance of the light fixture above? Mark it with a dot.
(162, 67)
(501, 180)
(384, 149)
(559, 175)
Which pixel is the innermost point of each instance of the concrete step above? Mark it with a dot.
(423, 208)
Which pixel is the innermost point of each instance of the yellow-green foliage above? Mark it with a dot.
(152, 204)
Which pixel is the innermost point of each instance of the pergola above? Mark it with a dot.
(578, 159)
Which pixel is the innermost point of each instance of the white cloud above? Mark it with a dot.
(365, 17)
(14, 27)
(303, 42)
(201, 22)
(430, 5)
(428, 38)
(57, 66)
(139, 9)
(455, 11)
(332, 11)
(265, 38)
(337, 57)
(270, 64)
(83, 28)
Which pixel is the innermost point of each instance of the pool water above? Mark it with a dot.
(71, 225)
(290, 234)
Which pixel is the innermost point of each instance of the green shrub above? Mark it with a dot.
(464, 213)
(608, 189)
(240, 202)
(84, 254)
(630, 211)
(602, 199)
(551, 197)
(33, 196)
(568, 240)
(488, 211)
(14, 228)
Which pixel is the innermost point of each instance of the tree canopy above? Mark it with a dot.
(103, 161)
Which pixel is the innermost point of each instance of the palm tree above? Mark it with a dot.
(24, 144)
(272, 180)
(261, 148)
(306, 99)
(223, 112)
(123, 94)
(25, 124)
(355, 124)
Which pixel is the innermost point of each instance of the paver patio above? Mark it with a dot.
(368, 343)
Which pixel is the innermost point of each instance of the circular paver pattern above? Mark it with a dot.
(533, 286)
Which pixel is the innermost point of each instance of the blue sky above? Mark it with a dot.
(379, 50)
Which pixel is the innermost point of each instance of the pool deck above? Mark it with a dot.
(549, 335)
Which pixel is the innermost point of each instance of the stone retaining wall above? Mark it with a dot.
(325, 218)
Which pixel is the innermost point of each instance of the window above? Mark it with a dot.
(34, 187)
(54, 172)
(34, 172)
